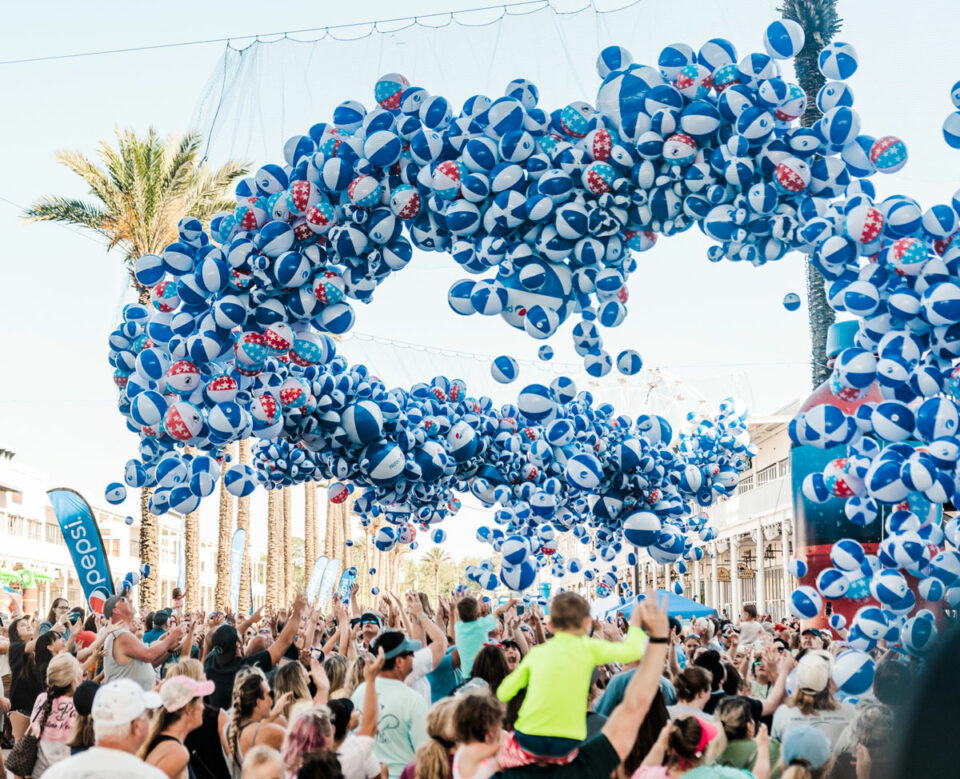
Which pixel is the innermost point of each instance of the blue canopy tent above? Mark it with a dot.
(677, 606)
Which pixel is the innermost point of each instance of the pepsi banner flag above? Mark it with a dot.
(85, 544)
(236, 566)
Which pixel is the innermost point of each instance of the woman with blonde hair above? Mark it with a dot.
(207, 744)
(292, 678)
(54, 713)
(180, 713)
(355, 674)
(434, 757)
(336, 667)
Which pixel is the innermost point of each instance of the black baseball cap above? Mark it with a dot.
(393, 643)
(83, 697)
(224, 642)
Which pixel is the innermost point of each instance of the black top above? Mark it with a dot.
(160, 738)
(222, 675)
(206, 751)
(596, 758)
(25, 683)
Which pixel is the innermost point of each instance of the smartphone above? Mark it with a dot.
(519, 609)
(74, 618)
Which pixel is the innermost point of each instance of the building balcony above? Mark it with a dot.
(752, 504)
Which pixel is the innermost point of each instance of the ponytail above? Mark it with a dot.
(433, 755)
(246, 693)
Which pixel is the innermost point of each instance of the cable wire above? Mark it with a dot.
(326, 30)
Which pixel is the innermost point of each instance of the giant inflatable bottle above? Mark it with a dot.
(819, 525)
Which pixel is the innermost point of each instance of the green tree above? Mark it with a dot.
(820, 23)
(436, 559)
(139, 191)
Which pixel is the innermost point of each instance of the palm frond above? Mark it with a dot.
(69, 211)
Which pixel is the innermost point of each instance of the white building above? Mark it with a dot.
(747, 562)
(30, 538)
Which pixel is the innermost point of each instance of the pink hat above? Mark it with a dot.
(178, 691)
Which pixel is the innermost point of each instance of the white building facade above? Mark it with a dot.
(30, 538)
(748, 560)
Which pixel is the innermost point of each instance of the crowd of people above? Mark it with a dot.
(466, 688)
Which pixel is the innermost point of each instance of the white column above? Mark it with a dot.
(696, 580)
(643, 577)
(714, 581)
(785, 544)
(734, 579)
(761, 583)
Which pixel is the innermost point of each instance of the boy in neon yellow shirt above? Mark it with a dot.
(552, 720)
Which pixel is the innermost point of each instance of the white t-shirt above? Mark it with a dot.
(103, 763)
(830, 723)
(417, 678)
(356, 758)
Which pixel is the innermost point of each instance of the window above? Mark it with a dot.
(33, 529)
(745, 485)
(135, 548)
(115, 547)
(52, 534)
(16, 498)
(15, 525)
(784, 466)
(768, 474)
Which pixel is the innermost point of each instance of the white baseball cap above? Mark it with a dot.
(122, 701)
(813, 671)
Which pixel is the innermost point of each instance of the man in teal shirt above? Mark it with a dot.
(402, 721)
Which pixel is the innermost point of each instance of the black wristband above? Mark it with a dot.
(658, 639)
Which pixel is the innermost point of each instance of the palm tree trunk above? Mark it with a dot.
(274, 544)
(345, 510)
(191, 560)
(221, 595)
(309, 527)
(243, 521)
(330, 529)
(287, 588)
(149, 554)
(820, 24)
(436, 583)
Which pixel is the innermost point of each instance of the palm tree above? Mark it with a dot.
(287, 577)
(436, 558)
(820, 24)
(141, 188)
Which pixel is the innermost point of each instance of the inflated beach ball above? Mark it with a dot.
(838, 61)
(853, 672)
(805, 602)
(783, 39)
(629, 362)
(888, 154)
(504, 369)
(240, 480)
(545, 353)
(791, 301)
(797, 568)
(115, 493)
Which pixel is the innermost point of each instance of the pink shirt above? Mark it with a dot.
(59, 723)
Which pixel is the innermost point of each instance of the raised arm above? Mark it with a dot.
(289, 632)
(368, 719)
(427, 628)
(624, 721)
(250, 621)
(135, 649)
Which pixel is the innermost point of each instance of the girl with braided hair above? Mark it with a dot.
(252, 706)
(54, 713)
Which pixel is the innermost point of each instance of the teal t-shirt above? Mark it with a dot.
(401, 724)
(470, 639)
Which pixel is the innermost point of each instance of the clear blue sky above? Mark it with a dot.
(717, 326)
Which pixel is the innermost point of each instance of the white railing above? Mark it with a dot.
(760, 501)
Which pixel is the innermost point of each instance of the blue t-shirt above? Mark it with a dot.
(471, 637)
(444, 679)
(152, 635)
